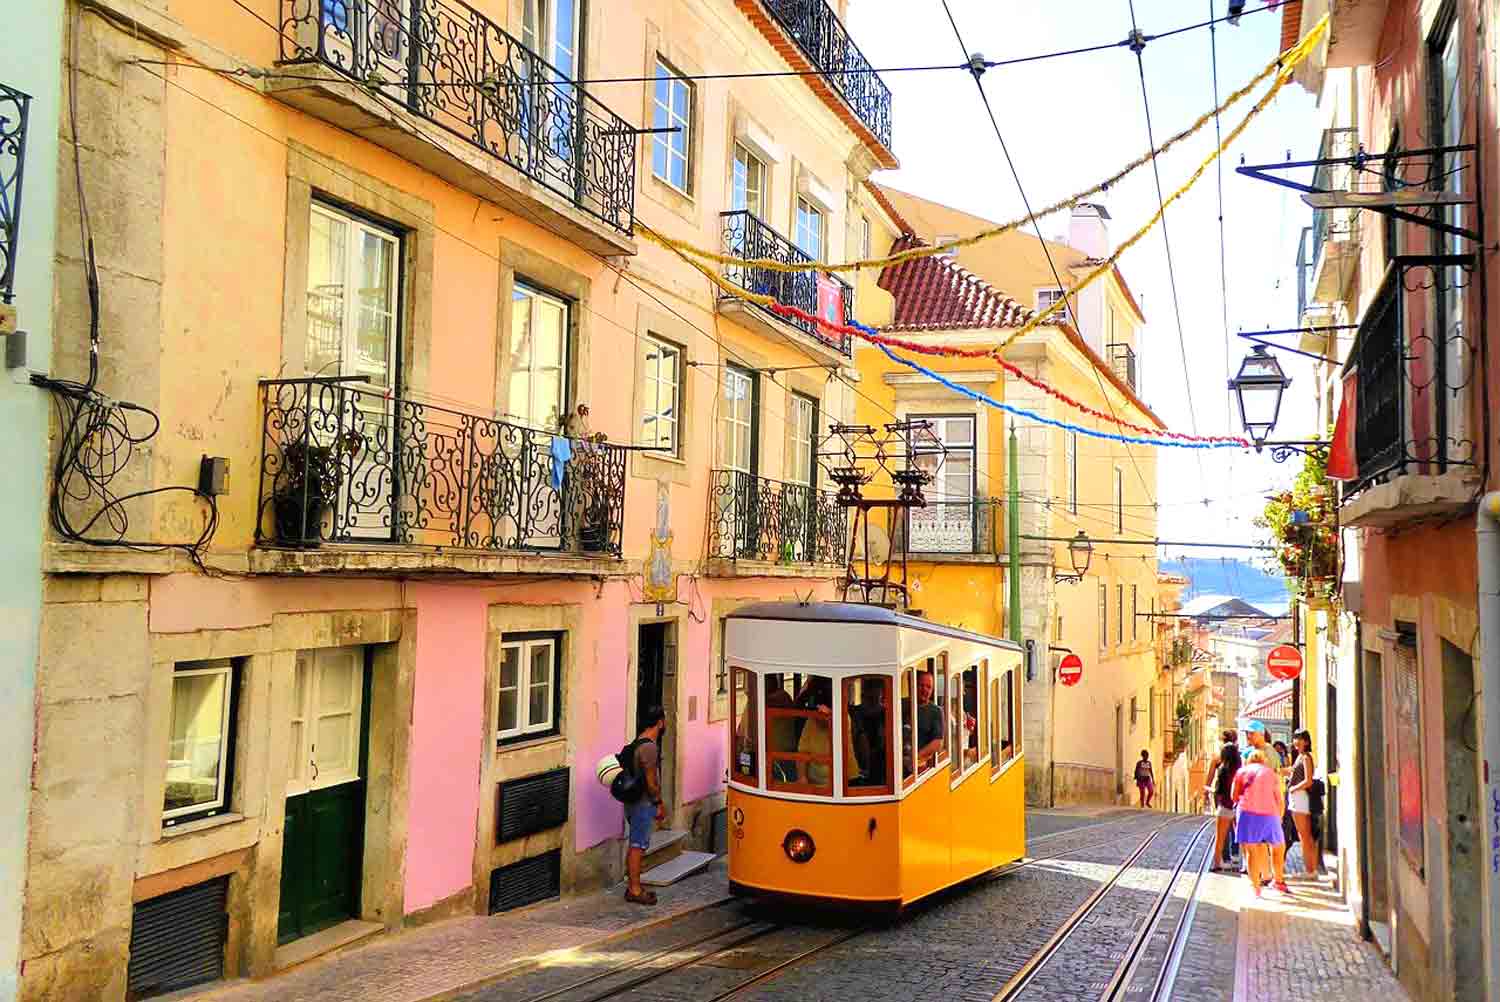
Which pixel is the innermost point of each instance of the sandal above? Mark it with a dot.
(643, 898)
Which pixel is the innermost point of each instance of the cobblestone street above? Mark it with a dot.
(976, 944)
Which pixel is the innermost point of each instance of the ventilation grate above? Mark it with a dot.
(527, 882)
(531, 804)
(177, 940)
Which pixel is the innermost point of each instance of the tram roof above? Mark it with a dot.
(859, 613)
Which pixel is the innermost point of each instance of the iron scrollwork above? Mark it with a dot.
(459, 70)
(754, 518)
(346, 464)
(15, 108)
(819, 33)
(745, 235)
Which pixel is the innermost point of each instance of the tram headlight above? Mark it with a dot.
(798, 846)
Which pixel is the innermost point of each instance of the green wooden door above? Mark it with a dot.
(323, 835)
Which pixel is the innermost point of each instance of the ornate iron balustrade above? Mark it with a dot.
(754, 518)
(15, 107)
(1415, 374)
(957, 527)
(821, 36)
(459, 70)
(745, 235)
(343, 463)
(1122, 363)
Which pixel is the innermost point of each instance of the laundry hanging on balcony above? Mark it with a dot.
(1342, 461)
(562, 454)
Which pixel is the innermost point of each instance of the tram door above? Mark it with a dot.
(656, 685)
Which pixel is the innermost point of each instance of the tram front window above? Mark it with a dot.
(742, 712)
(867, 729)
(799, 733)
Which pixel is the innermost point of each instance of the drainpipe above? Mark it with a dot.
(1487, 528)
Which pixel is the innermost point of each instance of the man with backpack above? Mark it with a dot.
(639, 789)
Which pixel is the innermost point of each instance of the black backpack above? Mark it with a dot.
(1316, 791)
(629, 786)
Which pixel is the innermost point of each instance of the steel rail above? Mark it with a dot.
(1166, 978)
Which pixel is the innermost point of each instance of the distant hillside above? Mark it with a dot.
(1227, 576)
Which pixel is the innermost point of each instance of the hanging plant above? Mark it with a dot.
(1301, 525)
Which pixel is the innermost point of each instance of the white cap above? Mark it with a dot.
(607, 769)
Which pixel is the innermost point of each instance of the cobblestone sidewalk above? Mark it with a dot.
(1305, 947)
(440, 959)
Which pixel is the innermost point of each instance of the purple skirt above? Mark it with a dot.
(1254, 829)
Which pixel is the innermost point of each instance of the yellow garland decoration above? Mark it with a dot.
(1283, 63)
(1293, 57)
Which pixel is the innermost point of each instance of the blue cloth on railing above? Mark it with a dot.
(562, 452)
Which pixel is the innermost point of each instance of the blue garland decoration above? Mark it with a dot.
(1022, 412)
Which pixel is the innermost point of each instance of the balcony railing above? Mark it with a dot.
(745, 235)
(1412, 403)
(754, 518)
(1333, 223)
(459, 70)
(974, 527)
(14, 109)
(1122, 363)
(821, 36)
(343, 463)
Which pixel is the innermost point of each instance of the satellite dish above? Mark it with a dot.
(880, 544)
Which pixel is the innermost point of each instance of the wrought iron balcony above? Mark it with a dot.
(821, 36)
(14, 109)
(1333, 223)
(754, 518)
(745, 235)
(344, 463)
(459, 70)
(1413, 409)
(975, 527)
(1122, 363)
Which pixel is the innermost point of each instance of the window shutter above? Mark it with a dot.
(177, 940)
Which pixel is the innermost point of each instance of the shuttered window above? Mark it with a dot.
(177, 940)
(531, 804)
(527, 882)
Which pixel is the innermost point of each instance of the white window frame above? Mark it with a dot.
(731, 421)
(677, 146)
(866, 238)
(223, 667)
(652, 382)
(301, 781)
(802, 433)
(350, 306)
(540, 34)
(806, 212)
(744, 167)
(1048, 295)
(524, 724)
(526, 415)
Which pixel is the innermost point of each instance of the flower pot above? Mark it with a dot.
(299, 520)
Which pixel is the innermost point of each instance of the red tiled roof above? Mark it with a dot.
(937, 293)
(1291, 23)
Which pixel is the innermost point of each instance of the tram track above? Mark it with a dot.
(1131, 976)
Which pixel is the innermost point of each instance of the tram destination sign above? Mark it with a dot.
(1070, 670)
(1284, 662)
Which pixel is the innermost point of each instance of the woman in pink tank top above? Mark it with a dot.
(1257, 798)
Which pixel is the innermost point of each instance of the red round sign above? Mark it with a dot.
(1070, 670)
(1284, 662)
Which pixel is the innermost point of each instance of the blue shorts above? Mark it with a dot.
(641, 817)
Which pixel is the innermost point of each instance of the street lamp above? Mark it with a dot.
(1080, 552)
(1258, 389)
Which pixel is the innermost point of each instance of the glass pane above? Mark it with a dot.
(325, 294)
(956, 726)
(994, 723)
(546, 400)
(929, 718)
(746, 742)
(659, 150)
(959, 431)
(295, 754)
(908, 717)
(509, 706)
(867, 730)
(510, 667)
(799, 733)
(539, 710)
(299, 698)
(678, 173)
(335, 742)
(195, 740)
(680, 100)
(336, 685)
(1008, 718)
(552, 318)
(520, 330)
(969, 736)
(376, 268)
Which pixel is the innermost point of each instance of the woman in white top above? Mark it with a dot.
(1298, 783)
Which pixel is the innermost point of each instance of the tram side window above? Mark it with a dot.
(932, 688)
(908, 725)
(1008, 717)
(867, 730)
(969, 735)
(799, 733)
(956, 725)
(742, 712)
(994, 700)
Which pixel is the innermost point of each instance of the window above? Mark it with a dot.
(747, 187)
(672, 109)
(353, 277)
(930, 747)
(1103, 615)
(807, 234)
(1046, 297)
(528, 699)
(947, 238)
(956, 725)
(200, 741)
(550, 29)
(746, 760)
(1390, 181)
(802, 447)
(1119, 500)
(1135, 613)
(662, 396)
(1070, 458)
(908, 727)
(1119, 614)
(737, 424)
(538, 359)
(799, 733)
(868, 767)
(721, 670)
(966, 710)
(865, 238)
(327, 702)
(1446, 95)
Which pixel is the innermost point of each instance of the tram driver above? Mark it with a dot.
(929, 721)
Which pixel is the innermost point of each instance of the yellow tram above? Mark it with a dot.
(874, 756)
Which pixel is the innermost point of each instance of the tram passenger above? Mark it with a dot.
(817, 731)
(781, 730)
(929, 721)
(867, 728)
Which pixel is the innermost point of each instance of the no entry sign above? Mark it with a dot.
(1284, 662)
(1070, 670)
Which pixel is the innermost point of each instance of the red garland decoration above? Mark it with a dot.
(951, 352)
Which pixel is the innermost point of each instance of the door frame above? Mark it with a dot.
(674, 614)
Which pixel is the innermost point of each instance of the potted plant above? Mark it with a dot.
(308, 485)
(1304, 535)
(587, 477)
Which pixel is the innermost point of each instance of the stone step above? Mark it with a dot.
(665, 845)
(684, 865)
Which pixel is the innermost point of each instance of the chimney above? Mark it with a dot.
(1088, 230)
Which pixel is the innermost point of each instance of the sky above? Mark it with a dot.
(1071, 121)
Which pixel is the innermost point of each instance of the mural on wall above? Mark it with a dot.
(660, 583)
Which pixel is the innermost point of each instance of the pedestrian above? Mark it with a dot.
(641, 757)
(1231, 745)
(1145, 779)
(1255, 734)
(1257, 797)
(1219, 789)
(1299, 801)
